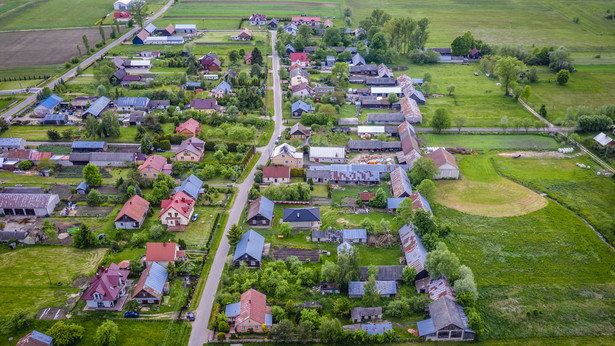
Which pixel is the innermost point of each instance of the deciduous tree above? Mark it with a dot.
(138, 11)
(441, 120)
(107, 333)
(508, 70)
(91, 175)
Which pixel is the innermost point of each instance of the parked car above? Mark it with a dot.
(131, 314)
(160, 150)
(195, 217)
(100, 236)
(190, 316)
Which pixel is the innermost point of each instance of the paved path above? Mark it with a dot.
(200, 333)
(15, 110)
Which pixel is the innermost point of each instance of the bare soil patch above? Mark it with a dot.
(93, 211)
(287, 3)
(548, 154)
(283, 253)
(43, 47)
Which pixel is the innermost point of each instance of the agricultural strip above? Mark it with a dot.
(489, 142)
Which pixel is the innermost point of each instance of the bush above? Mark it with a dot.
(25, 165)
(74, 60)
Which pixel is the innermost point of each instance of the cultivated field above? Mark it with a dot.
(481, 191)
(522, 22)
(592, 196)
(25, 276)
(48, 47)
(488, 142)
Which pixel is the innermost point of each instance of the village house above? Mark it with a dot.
(152, 285)
(129, 104)
(163, 253)
(273, 24)
(447, 322)
(210, 62)
(258, 19)
(603, 140)
(384, 71)
(177, 211)
(190, 150)
(294, 67)
(107, 288)
(475, 54)
(362, 68)
(260, 212)
(168, 31)
(286, 155)
(207, 105)
(298, 76)
(154, 165)
(251, 313)
(185, 28)
(132, 214)
(302, 90)
(190, 128)
(322, 91)
(40, 205)
(359, 314)
(387, 289)
(140, 37)
(221, 90)
(122, 17)
(192, 186)
(300, 59)
(313, 22)
(289, 49)
(299, 131)
(380, 82)
(303, 218)
(291, 29)
(122, 5)
(446, 164)
(12, 143)
(249, 250)
(345, 248)
(300, 107)
(47, 106)
(358, 60)
(328, 154)
(244, 35)
(385, 273)
(35, 338)
(400, 183)
(276, 175)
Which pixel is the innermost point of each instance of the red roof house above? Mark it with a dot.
(366, 196)
(107, 288)
(177, 211)
(253, 312)
(122, 15)
(154, 165)
(132, 214)
(191, 128)
(446, 164)
(249, 58)
(163, 253)
(276, 175)
(299, 58)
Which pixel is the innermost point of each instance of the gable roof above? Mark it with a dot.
(132, 102)
(162, 252)
(191, 186)
(189, 125)
(360, 312)
(299, 127)
(400, 183)
(287, 149)
(441, 157)
(409, 107)
(384, 71)
(445, 311)
(327, 152)
(205, 104)
(150, 28)
(298, 56)
(301, 214)
(254, 307)
(50, 102)
(385, 273)
(35, 338)
(106, 282)
(251, 244)
(152, 280)
(143, 34)
(299, 71)
(187, 145)
(224, 86)
(302, 86)
(354, 233)
(420, 202)
(276, 172)
(358, 60)
(88, 144)
(179, 202)
(383, 287)
(155, 162)
(412, 248)
(27, 201)
(261, 206)
(135, 208)
(439, 288)
(603, 139)
(258, 16)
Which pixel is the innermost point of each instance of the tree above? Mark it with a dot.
(450, 89)
(44, 164)
(257, 57)
(475, 322)
(68, 133)
(234, 56)
(101, 91)
(339, 73)
(379, 200)
(332, 37)
(305, 331)
(461, 45)
(146, 145)
(234, 235)
(86, 43)
(393, 98)
(371, 295)
(466, 283)
(102, 33)
(94, 197)
(347, 268)
(508, 69)
(543, 111)
(347, 12)
(369, 225)
(559, 59)
(91, 175)
(84, 238)
(330, 330)
(65, 333)
(283, 331)
(328, 272)
(504, 123)
(342, 306)
(532, 75)
(442, 262)
(424, 168)
(441, 120)
(310, 315)
(25, 165)
(527, 91)
(53, 135)
(428, 189)
(109, 126)
(408, 274)
(562, 77)
(107, 333)
(285, 229)
(18, 320)
(278, 313)
(156, 231)
(460, 120)
(138, 11)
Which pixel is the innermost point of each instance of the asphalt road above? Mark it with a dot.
(200, 333)
(11, 112)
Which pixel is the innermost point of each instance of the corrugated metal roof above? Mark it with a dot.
(13, 200)
(132, 101)
(51, 101)
(350, 234)
(425, 327)
(393, 203)
(327, 152)
(36, 335)
(185, 26)
(88, 144)
(9, 142)
(98, 106)
(232, 310)
(412, 248)
(251, 243)
(386, 90)
(82, 186)
(54, 117)
(261, 206)
(377, 328)
(370, 129)
(356, 288)
(157, 278)
(150, 28)
(400, 183)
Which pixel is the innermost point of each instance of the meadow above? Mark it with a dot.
(521, 22)
(281, 8)
(488, 142)
(202, 22)
(476, 98)
(581, 190)
(481, 191)
(29, 276)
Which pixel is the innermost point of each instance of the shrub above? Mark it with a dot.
(25, 165)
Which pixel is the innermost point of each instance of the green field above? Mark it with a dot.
(201, 22)
(520, 22)
(488, 142)
(476, 98)
(246, 8)
(592, 196)
(593, 85)
(25, 276)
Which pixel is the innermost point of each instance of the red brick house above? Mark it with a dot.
(191, 128)
(251, 313)
(210, 62)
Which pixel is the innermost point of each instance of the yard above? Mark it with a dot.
(197, 233)
(488, 142)
(36, 277)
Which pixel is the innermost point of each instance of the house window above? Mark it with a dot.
(154, 174)
(443, 335)
(100, 304)
(456, 334)
(264, 222)
(243, 327)
(252, 263)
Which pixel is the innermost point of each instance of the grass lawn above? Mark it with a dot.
(489, 142)
(36, 267)
(197, 233)
(592, 196)
(201, 22)
(547, 261)
(126, 254)
(337, 194)
(56, 149)
(594, 84)
(30, 132)
(19, 84)
(481, 191)
(240, 9)
(476, 98)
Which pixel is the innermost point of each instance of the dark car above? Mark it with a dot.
(131, 314)
(190, 316)
(160, 150)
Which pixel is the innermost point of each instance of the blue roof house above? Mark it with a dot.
(127, 104)
(192, 186)
(36, 338)
(48, 105)
(300, 107)
(12, 143)
(232, 311)
(152, 284)
(224, 88)
(385, 288)
(260, 212)
(354, 235)
(249, 250)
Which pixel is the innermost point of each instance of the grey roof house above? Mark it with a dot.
(249, 250)
(28, 204)
(385, 288)
(12, 143)
(448, 322)
(307, 218)
(300, 107)
(89, 146)
(359, 314)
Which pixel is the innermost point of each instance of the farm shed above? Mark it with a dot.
(48, 105)
(54, 119)
(385, 288)
(385, 273)
(12, 143)
(448, 322)
(413, 250)
(446, 164)
(359, 314)
(28, 204)
(328, 154)
(185, 28)
(400, 183)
